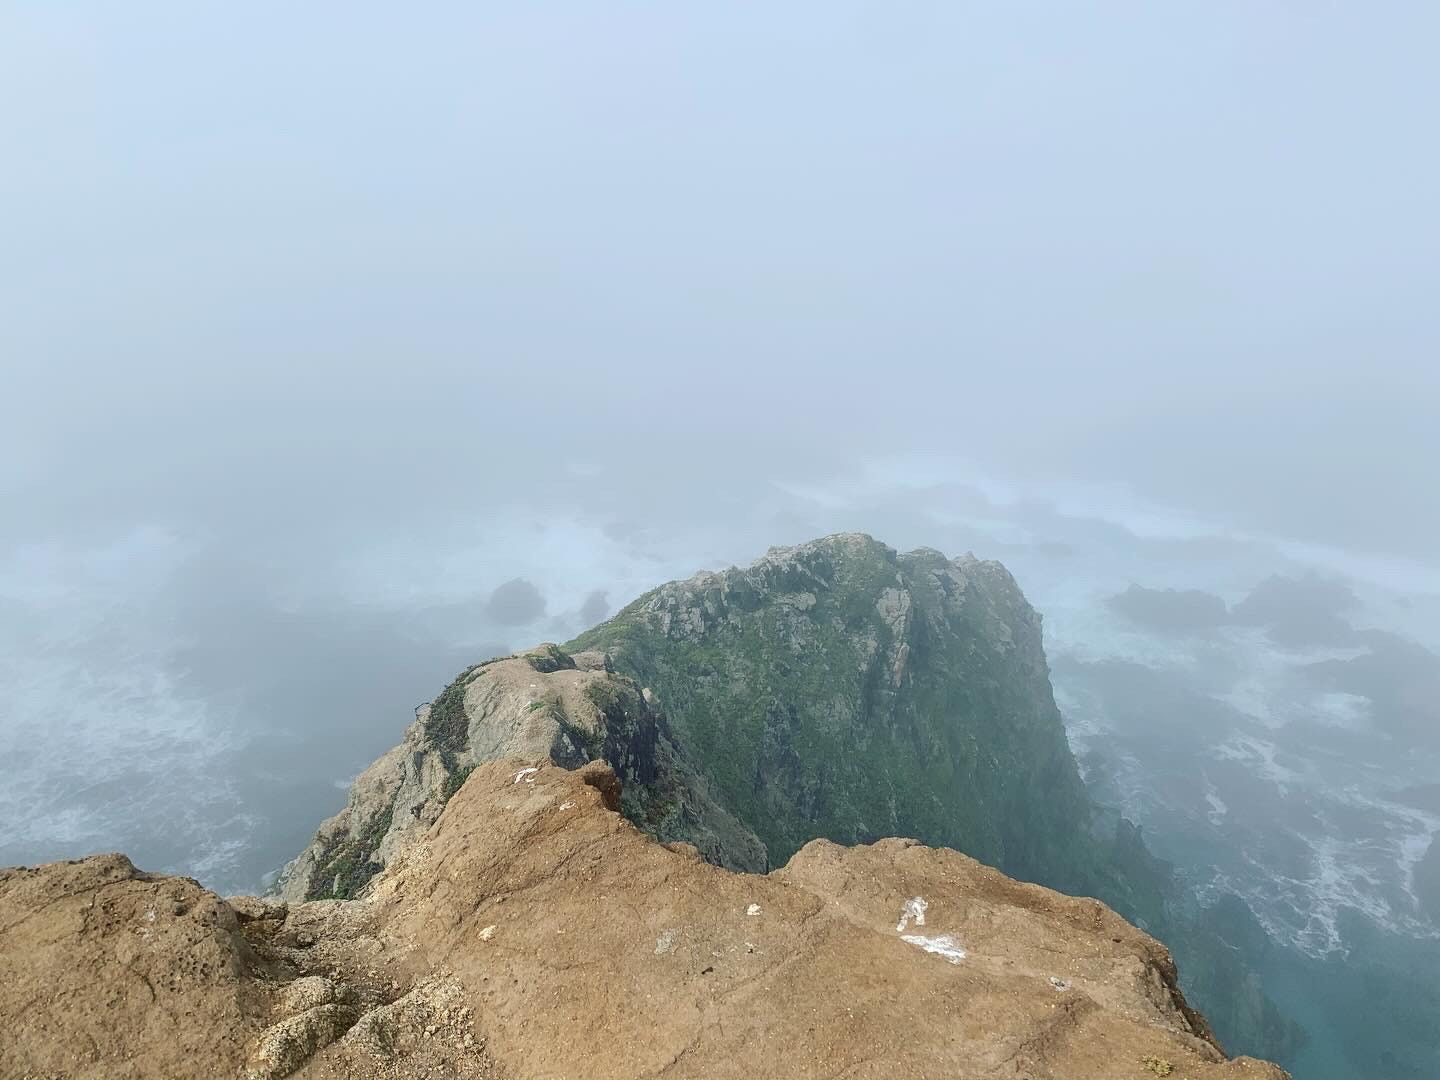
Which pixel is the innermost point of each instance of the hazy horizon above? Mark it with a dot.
(329, 266)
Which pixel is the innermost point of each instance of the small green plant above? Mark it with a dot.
(1158, 1065)
(549, 658)
(448, 724)
(453, 782)
(605, 695)
(587, 742)
(347, 864)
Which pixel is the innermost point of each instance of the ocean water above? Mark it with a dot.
(105, 747)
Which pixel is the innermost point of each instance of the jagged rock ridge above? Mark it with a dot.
(539, 705)
(532, 931)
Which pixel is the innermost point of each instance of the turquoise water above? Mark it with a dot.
(1370, 1014)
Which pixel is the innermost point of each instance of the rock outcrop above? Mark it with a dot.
(543, 705)
(532, 931)
(840, 689)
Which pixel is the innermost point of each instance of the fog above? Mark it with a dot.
(329, 267)
(344, 345)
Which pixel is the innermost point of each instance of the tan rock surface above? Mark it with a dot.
(540, 705)
(532, 932)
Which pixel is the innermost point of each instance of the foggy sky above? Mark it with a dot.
(278, 271)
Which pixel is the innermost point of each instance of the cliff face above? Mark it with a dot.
(544, 705)
(532, 931)
(840, 689)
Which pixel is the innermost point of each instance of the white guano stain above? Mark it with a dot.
(944, 945)
(914, 909)
(528, 775)
(753, 909)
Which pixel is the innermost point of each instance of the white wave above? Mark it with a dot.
(1361, 874)
(1271, 688)
(1218, 807)
(1411, 832)
(1259, 755)
(1352, 712)
(105, 749)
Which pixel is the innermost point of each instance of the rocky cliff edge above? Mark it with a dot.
(532, 931)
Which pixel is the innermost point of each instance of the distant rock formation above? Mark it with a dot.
(1172, 611)
(1292, 611)
(529, 930)
(1303, 611)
